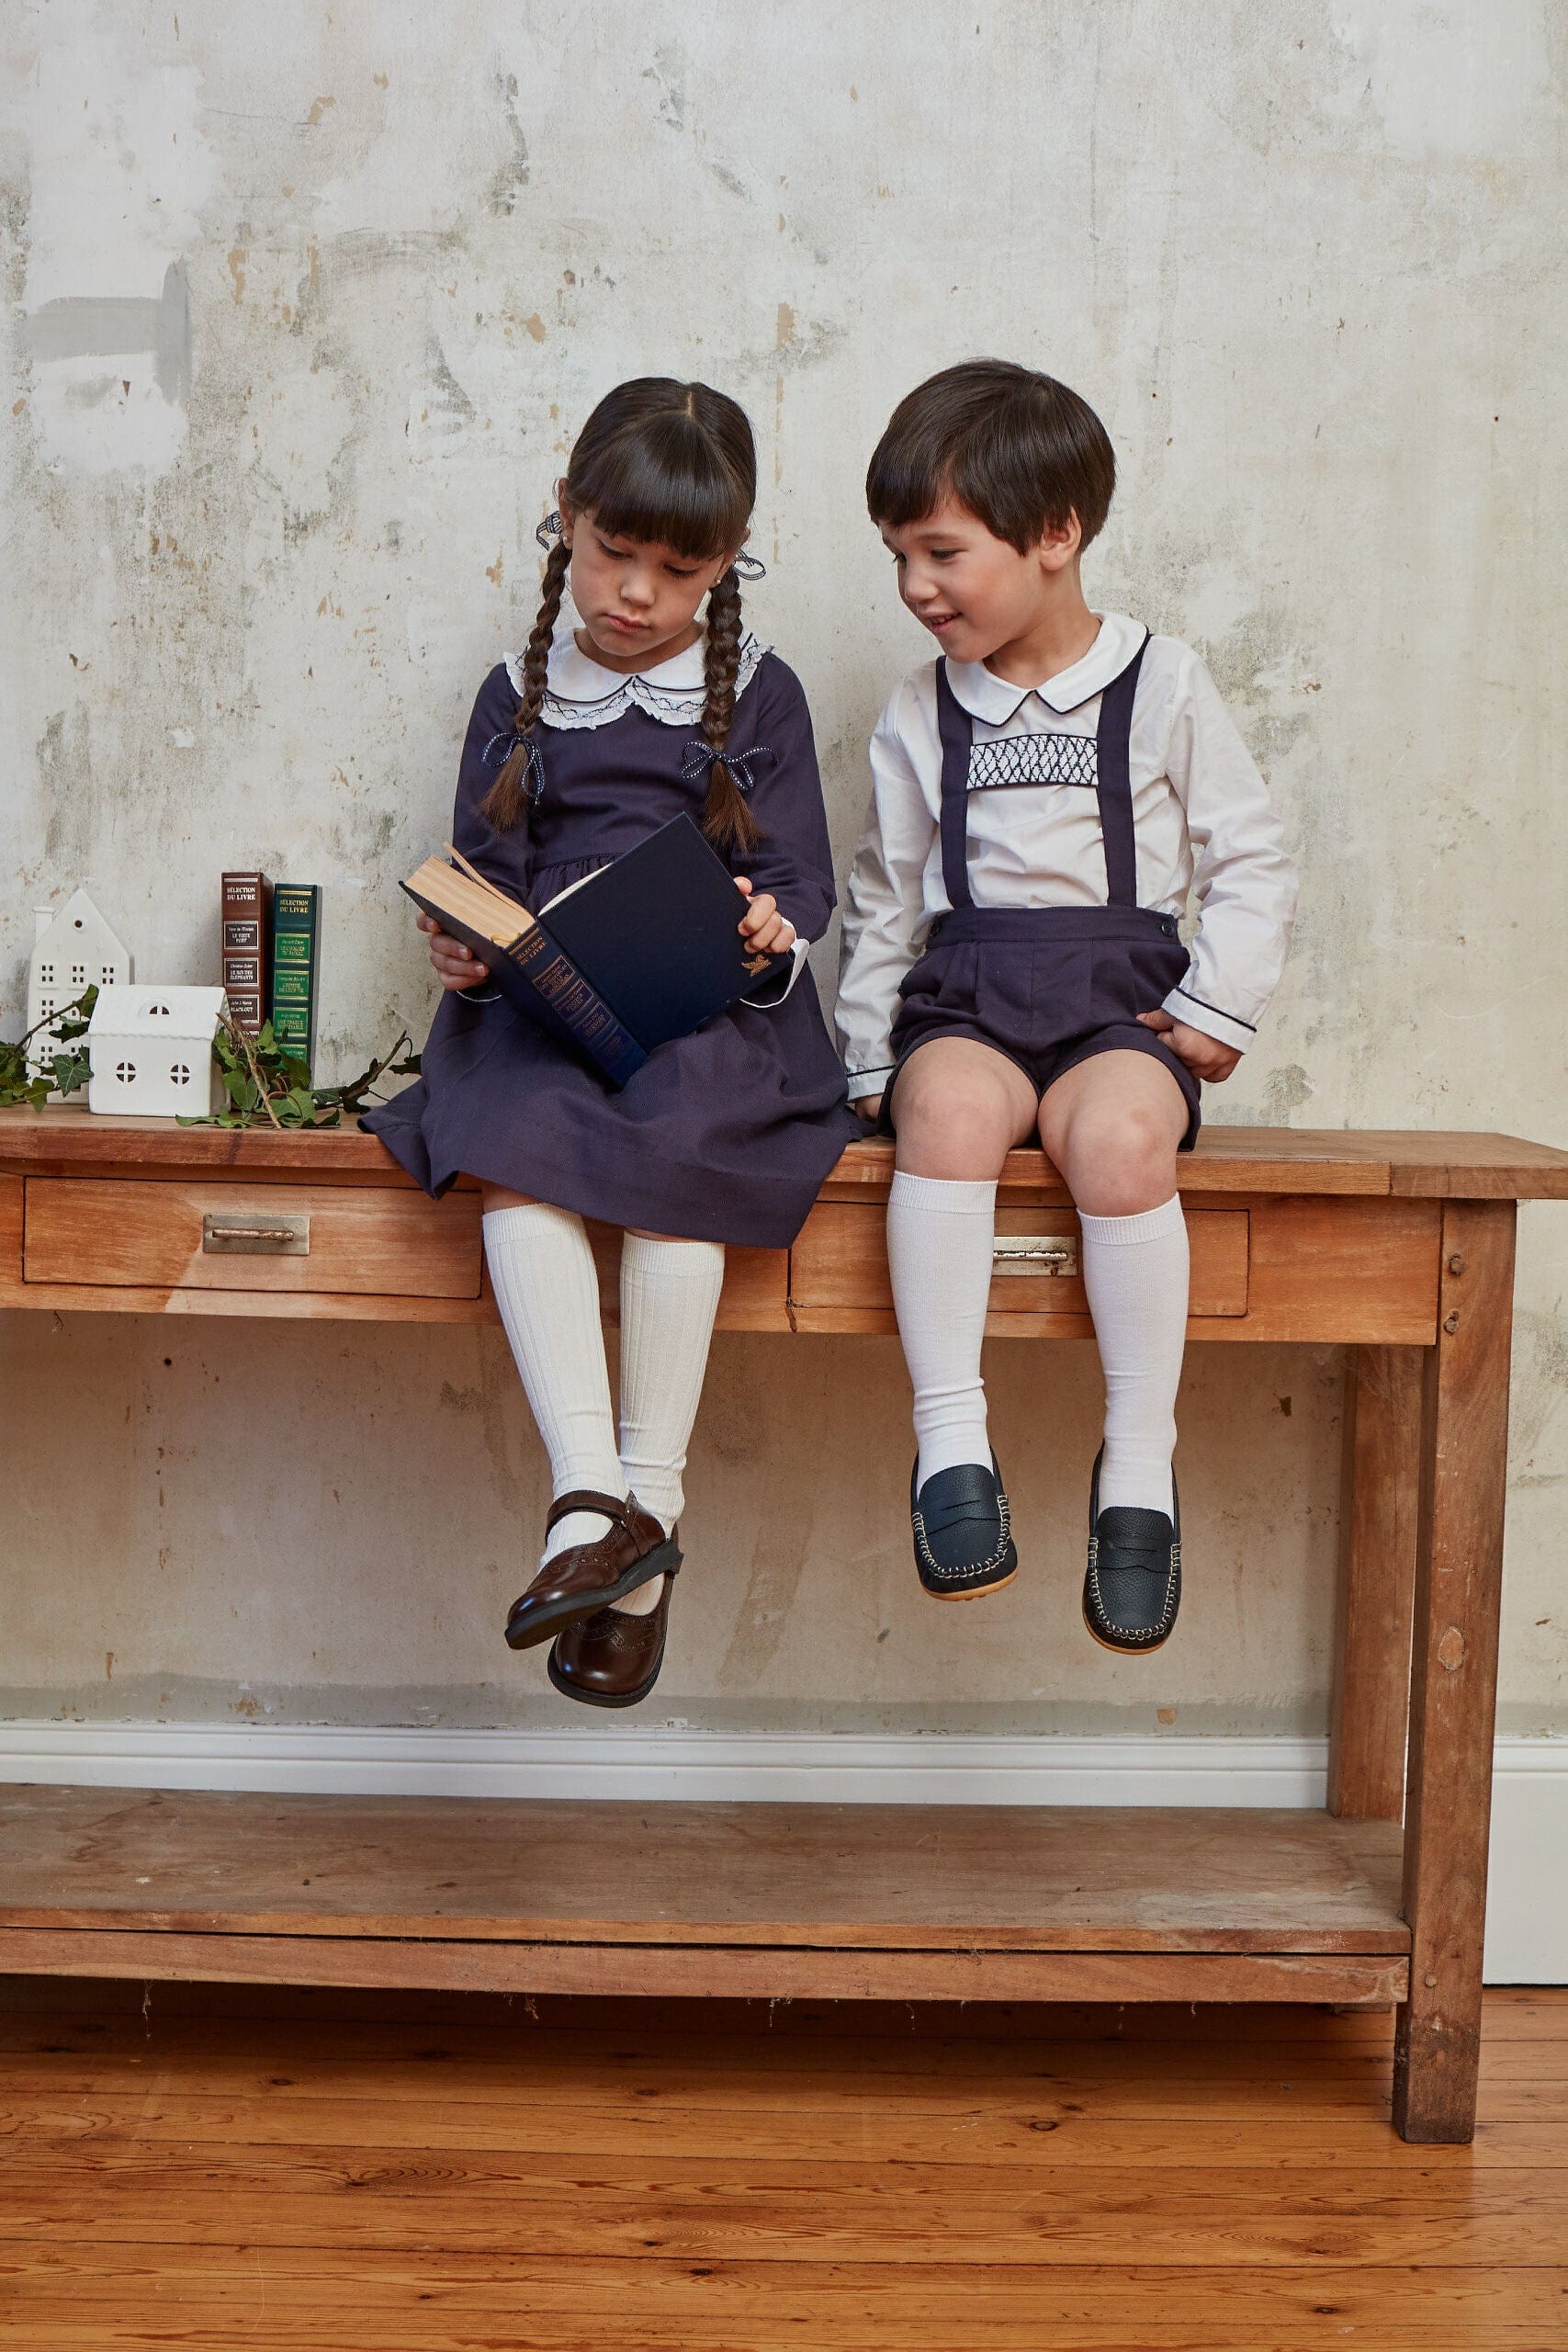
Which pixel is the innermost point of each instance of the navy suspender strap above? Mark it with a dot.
(1115, 784)
(953, 722)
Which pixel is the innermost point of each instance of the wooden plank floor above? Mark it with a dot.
(414, 2175)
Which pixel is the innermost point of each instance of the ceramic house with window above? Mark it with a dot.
(73, 949)
(151, 1051)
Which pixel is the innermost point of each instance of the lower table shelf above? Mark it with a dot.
(900, 1901)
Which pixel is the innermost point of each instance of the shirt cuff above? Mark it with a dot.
(861, 1082)
(1224, 1027)
(771, 993)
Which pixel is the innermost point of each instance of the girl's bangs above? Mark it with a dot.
(661, 490)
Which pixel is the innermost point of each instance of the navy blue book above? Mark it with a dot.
(645, 950)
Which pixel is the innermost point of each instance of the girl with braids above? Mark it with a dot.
(609, 724)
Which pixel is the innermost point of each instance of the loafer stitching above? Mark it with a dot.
(968, 1567)
(1133, 1633)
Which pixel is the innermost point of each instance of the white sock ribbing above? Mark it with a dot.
(668, 1298)
(940, 1236)
(541, 1269)
(1136, 1273)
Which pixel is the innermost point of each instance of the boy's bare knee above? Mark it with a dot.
(1121, 1160)
(952, 1127)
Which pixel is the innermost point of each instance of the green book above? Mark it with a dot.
(296, 966)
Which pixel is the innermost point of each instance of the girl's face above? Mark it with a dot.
(976, 592)
(638, 600)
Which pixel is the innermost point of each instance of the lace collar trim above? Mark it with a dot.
(582, 692)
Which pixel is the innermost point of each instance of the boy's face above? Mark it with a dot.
(973, 591)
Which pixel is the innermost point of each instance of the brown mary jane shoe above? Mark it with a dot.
(633, 1549)
(611, 1660)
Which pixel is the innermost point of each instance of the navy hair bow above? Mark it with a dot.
(742, 766)
(533, 759)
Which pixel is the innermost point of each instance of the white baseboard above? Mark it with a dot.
(1527, 1937)
(649, 1763)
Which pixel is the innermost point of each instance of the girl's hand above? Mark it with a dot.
(761, 927)
(867, 1107)
(455, 966)
(1205, 1057)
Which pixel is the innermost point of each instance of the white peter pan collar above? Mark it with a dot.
(580, 692)
(995, 700)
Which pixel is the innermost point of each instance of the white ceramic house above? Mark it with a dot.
(74, 948)
(151, 1051)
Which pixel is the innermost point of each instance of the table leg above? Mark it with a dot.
(1453, 1679)
(1371, 1704)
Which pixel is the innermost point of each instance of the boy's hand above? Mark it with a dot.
(761, 927)
(867, 1107)
(455, 966)
(1204, 1056)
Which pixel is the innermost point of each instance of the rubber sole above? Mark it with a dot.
(1125, 1649)
(544, 1623)
(976, 1591)
(602, 1698)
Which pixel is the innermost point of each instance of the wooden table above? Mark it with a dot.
(1398, 1247)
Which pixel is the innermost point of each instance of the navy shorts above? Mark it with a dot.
(1049, 987)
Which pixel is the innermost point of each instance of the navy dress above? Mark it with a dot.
(724, 1135)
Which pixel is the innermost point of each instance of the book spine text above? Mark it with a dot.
(577, 1004)
(296, 963)
(246, 927)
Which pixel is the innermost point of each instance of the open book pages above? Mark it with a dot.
(471, 900)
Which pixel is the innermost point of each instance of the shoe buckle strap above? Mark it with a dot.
(614, 1507)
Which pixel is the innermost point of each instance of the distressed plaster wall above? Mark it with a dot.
(302, 309)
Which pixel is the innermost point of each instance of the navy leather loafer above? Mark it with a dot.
(961, 1529)
(1132, 1589)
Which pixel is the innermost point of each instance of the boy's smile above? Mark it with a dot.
(1021, 613)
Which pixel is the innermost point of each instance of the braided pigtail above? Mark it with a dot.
(505, 805)
(727, 820)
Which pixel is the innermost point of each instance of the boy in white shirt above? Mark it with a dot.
(1046, 796)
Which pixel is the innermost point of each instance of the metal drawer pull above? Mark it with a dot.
(1035, 1254)
(237, 1236)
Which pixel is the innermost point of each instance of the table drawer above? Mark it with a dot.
(374, 1240)
(841, 1260)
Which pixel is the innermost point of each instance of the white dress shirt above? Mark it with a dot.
(1202, 825)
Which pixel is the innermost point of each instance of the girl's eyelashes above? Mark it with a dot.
(624, 555)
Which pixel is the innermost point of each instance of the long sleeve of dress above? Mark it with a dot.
(486, 747)
(794, 860)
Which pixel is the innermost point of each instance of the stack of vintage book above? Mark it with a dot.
(271, 950)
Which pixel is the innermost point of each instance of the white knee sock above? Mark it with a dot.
(938, 1252)
(541, 1269)
(668, 1298)
(1135, 1270)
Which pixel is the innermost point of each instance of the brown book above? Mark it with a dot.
(246, 920)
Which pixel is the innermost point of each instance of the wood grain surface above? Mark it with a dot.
(1370, 1709)
(1453, 1681)
(967, 1878)
(1435, 1165)
(196, 2169)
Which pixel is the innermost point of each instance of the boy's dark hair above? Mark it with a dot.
(1019, 449)
(676, 464)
